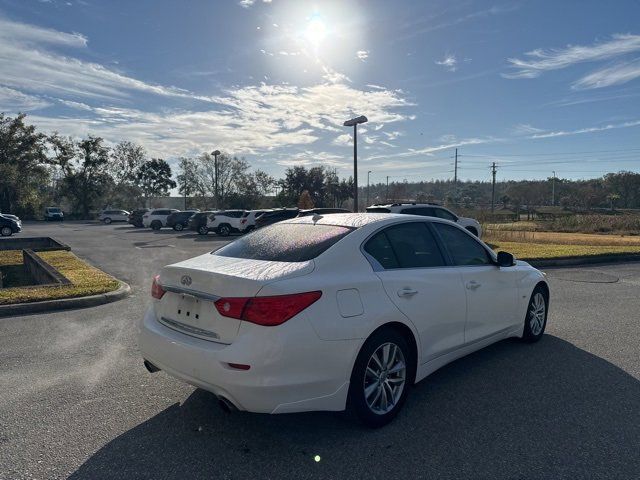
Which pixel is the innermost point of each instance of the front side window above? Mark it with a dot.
(464, 249)
(408, 245)
(285, 242)
(423, 211)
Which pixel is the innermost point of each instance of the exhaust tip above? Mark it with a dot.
(150, 367)
(226, 405)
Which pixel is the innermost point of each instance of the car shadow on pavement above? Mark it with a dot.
(512, 410)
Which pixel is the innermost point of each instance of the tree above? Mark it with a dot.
(22, 165)
(154, 178)
(188, 178)
(86, 178)
(305, 202)
(126, 159)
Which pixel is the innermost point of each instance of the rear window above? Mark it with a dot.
(378, 210)
(285, 242)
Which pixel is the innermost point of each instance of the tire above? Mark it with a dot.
(156, 225)
(203, 230)
(368, 398)
(224, 230)
(107, 221)
(6, 231)
(473, 230)
(535, 320)
(178, 227)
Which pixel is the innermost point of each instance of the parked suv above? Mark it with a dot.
(224, 222)
(9, 226)
(135, 217)
(274, 216)
(108, 216)
(248, 220)
(198, 222)
(429, 210)
(53, 213)
(156, 219)
(180, 220)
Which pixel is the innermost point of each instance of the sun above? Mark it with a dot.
(316, 31)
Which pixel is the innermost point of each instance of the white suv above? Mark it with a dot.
(248, 221)
(157, 219)
(225, 221)
(429, 210)
(108, 216)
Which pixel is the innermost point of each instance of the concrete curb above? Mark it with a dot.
(578, 261)
(66, 303)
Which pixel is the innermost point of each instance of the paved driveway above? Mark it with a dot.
(75, 400)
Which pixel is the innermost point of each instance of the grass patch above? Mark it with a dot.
(560, 238)
(534, 251)
(85, 279)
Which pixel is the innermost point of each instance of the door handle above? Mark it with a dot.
(407, 292)
(473, 285)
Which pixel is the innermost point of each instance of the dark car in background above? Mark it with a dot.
(276, 215)
(135, 217)
(180, 220)
(322, 211)
(9, 226)
(198, 222)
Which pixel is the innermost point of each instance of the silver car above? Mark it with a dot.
(108, 216)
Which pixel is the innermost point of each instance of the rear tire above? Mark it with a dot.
(203, 230)
(535, 320)
(156, 225)
(381, 378)
(178, 227)
(6, 231)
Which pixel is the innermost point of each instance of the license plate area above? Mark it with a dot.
(191, 315)
(189, 310)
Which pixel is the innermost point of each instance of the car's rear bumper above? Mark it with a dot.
(292, 370)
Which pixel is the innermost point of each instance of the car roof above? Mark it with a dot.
(414, 204)
(352, 220)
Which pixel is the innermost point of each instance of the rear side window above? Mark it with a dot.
(408, 245)
(464, 249)
(285, 242)
(442, 213)
(378, 210)
(423, 211)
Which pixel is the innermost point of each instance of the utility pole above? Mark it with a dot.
(387, 194)
(368, 173)
(355, 168)
(493, 187)
(455, 171)
(553, 190)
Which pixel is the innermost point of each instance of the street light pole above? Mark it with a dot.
(215, 154)
(553, 189)
(354, 123)
(368, 173)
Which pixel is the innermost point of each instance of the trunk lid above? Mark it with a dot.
(194, 285)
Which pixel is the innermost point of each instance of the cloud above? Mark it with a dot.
(607, 77)
(526, 129)
(31, 34)
(539, 61)
(362, 54)
(601, 128)
(449, 62)
(343, 140)
(15, 101)
(430, 150)
(246, 3)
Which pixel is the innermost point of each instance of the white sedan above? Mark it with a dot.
(321, 313)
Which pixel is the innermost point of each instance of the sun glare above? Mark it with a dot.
(316, 31)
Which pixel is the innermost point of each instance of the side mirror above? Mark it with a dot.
(505, 259)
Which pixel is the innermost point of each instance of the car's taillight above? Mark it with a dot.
(243, 221)
(266, 311)
(156, 289)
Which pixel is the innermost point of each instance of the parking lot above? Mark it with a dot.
(76, 401)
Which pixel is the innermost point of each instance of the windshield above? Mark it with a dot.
(53, 210)
(288, 242)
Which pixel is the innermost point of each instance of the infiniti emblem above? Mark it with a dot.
(185, 280)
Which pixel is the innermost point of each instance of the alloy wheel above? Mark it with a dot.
(6, 231)
(537, 313)
(385, 378)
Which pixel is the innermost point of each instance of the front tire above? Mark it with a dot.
(6, 231)
(536, 320)
(203, 230)
(178, 227)
(107, 221)
(156, 225)
(381, 378)
(224, 230)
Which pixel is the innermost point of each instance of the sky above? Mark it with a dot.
(535, 86)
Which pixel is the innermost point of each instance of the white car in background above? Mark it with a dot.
(109, 216)
(248, 220)
(429, 210)
(346, 309)
(225, 222)
(156, 219)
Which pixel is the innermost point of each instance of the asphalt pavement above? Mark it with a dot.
(76, 401)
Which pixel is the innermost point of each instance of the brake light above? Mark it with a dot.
(156, 289)
(243, 221)
(266, 311)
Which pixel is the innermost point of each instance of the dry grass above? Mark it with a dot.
(560, 238)
(531, 251)
(85, 279)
